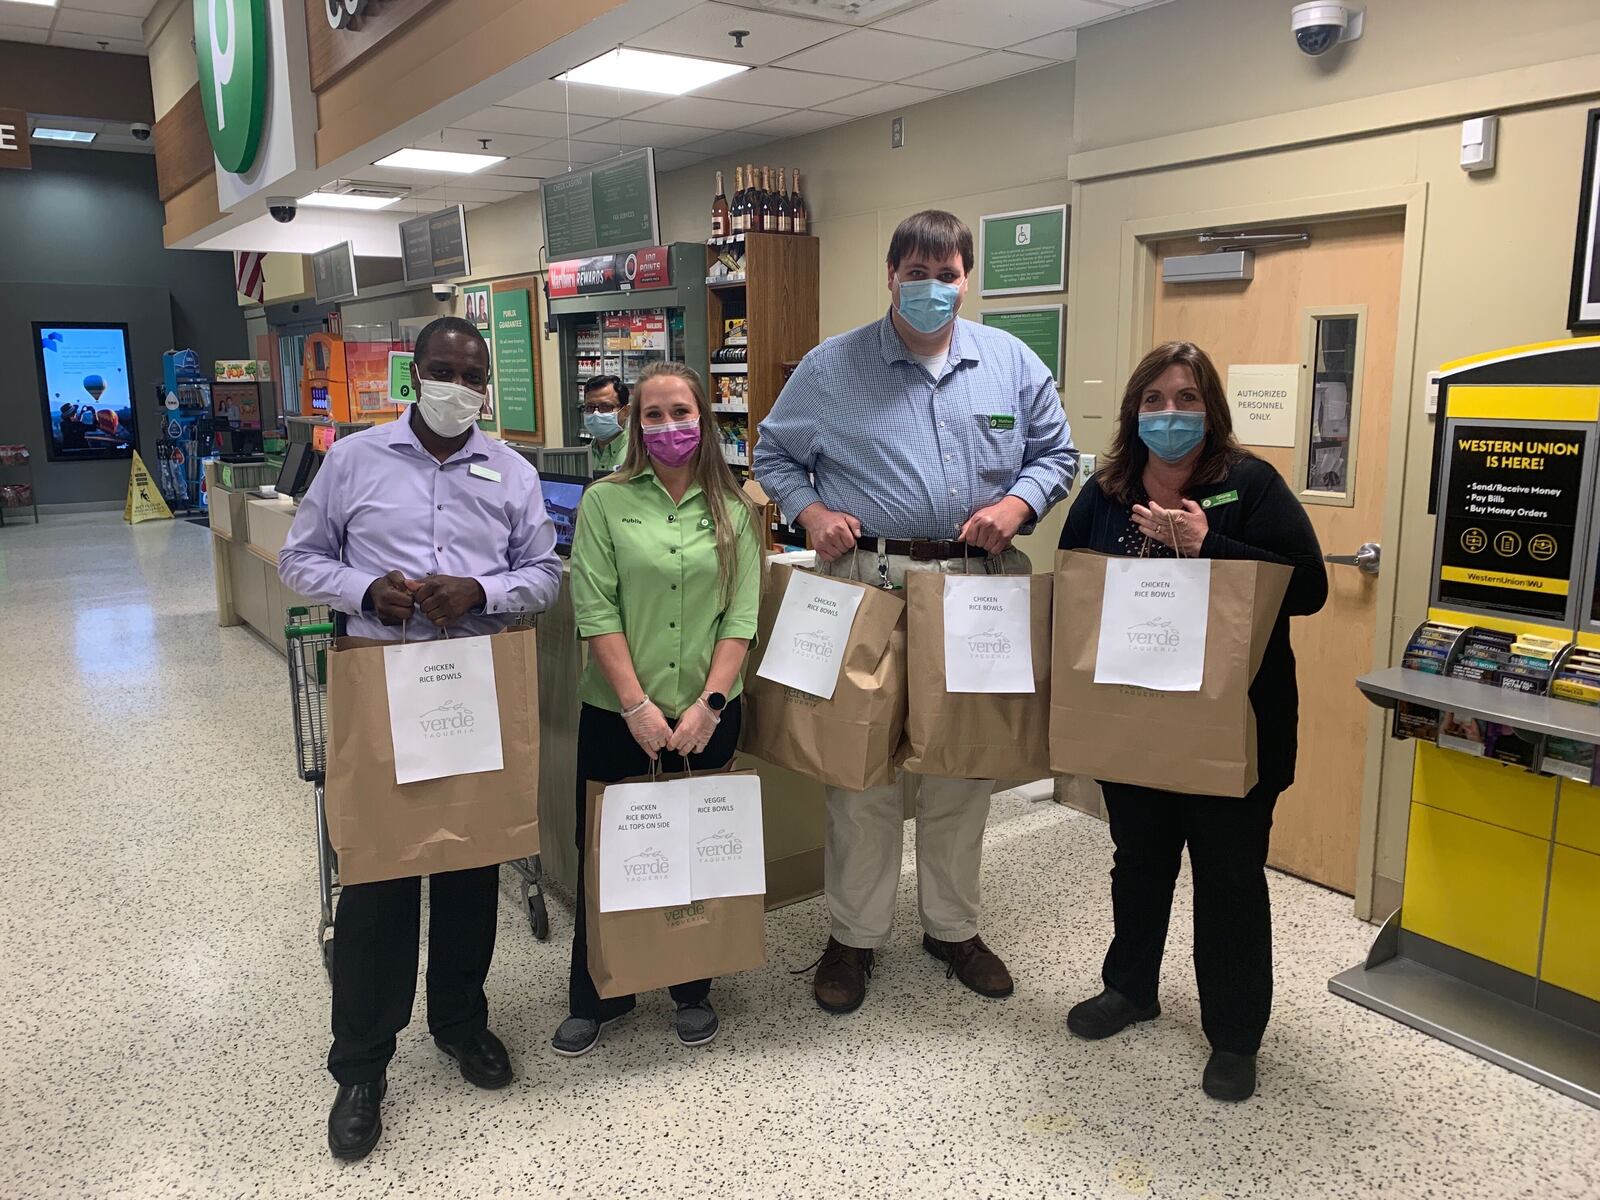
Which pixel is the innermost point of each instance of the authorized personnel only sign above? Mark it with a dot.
(1265, 399)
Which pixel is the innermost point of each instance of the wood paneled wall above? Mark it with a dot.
(335, 51)
(183, 148)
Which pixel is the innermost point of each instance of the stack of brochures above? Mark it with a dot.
(1429, 652)
(1516, 663)
(1578, 681)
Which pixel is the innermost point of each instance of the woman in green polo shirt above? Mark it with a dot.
(666, 569)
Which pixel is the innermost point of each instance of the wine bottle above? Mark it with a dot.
(752, 206)
(720, 227)
(769, 203)
(799, 214)
(736, 205)
(785, 213)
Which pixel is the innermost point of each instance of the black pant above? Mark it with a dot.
(607, 753)
(1227, 839)
(375, 964)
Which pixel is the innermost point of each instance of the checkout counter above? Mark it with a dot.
(1496, 945)
(248, 531)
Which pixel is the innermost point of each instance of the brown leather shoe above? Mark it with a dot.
(973, 963)
(842, 974)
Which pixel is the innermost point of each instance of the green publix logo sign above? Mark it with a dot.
(230, 45)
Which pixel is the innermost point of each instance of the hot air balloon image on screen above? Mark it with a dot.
(85, 390)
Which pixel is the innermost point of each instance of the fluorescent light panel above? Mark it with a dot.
(63, 135)
(344, 200)
(449, 162)
(39, 3)
(648, 71)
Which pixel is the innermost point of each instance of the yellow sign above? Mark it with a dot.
(1503, 579)
(145, 502)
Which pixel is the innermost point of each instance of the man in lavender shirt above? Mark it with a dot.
(424, 524)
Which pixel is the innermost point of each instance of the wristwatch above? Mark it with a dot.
(715, 701)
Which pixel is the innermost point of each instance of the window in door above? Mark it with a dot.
(1331, 406)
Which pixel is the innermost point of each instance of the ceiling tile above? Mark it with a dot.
(1062, 47)
(127, 8)
(994, 22)
(974, 72)
(90, 41)
(27, 16)
(709, 114)
(527, 121)
(100, 24)
(804, 121)
(18, 33)
(580, 99)
(730, 143)
(547, 168)
(455, 193)
(672, 160)
(583, 153)
(470, 141)
(882, 99)
(872, 54)
(521, 167)
(647, 133)
(774, 85)
(703, 32)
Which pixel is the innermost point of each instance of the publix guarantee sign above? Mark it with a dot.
(230, 47)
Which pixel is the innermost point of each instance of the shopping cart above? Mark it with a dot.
(310, 633)
(309, 636)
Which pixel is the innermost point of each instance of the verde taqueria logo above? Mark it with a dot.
(230, 48)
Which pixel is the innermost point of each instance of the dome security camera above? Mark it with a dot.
(1319, 27)
(140, 131)
(283, 208)
(444, 291)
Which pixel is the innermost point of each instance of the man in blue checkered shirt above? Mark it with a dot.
(914, 443)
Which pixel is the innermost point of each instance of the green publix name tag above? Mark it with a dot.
(1002, 421)
(1219, 500)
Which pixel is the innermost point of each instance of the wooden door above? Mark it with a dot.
(1290, 312)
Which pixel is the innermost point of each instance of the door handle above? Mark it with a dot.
(1367, 560)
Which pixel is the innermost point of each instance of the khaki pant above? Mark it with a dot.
(861, 859)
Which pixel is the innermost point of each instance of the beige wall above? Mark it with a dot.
(1495, 261)
(168, 32)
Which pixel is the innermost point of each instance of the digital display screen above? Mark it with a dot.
(319, 399)
(562, 495)
(85, 390)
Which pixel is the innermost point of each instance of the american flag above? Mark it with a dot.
(247, 274)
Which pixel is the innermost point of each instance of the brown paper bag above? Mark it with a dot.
(971, 735)
(384, 830)
(853, 740)
(1197, 742)
(647, 948)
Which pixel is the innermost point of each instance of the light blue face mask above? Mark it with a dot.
(602, 425)
(928, 305)
(1172, 434)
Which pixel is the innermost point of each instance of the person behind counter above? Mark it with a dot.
(1176, 482)
(925, 441)
(417, 528)
(605, 417)
(665, 580)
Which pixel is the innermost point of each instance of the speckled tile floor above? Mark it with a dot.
(164, 1011)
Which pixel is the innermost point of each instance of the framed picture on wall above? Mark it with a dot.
(85, 390)
(1583, 309)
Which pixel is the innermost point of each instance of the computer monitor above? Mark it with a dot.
(298, 462)
(562, 495)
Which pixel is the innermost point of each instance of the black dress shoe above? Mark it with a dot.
(354, 1126)
(483, 1059)
(1109, 1012)
(1230, 1076)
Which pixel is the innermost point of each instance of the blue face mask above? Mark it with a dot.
(927, 304)
(602, 425)
(1171, 434)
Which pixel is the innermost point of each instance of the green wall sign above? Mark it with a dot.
(1022, 252)
(1039, 329)
(230, 49)
(513, 363)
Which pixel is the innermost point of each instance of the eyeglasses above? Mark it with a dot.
(590, 409)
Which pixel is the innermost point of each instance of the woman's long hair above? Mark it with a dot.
(1121, 474)
(722, 491)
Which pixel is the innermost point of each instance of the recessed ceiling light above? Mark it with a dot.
(647, 71)
(40, 3)
(446, 161)
(63, 135)
(346, 200)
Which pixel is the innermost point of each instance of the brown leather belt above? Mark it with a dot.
(919, 551)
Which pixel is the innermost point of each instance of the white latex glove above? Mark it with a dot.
(649, 728)
(694, 730)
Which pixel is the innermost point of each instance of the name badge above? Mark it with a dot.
(1219, 499)
(1002, 421)
(483, 472)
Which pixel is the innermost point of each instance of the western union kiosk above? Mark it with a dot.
(1496, 945)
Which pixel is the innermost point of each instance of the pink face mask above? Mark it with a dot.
(673, 443)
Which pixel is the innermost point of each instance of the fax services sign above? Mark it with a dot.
(230, 46)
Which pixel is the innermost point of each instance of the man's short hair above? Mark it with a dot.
(596, 382)
(446, 325)
(932, 233)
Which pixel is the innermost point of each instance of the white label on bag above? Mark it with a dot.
(645, 847)
(443, 714)
(1153, 623)
(725, 821)
(809, 636)
(988, 645)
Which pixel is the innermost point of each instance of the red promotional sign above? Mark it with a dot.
(646, 269)
(637, 270)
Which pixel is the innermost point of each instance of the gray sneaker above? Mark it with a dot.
(697, 1023)
(576, 1036)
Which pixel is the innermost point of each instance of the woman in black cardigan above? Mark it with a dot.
(1174, 481)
